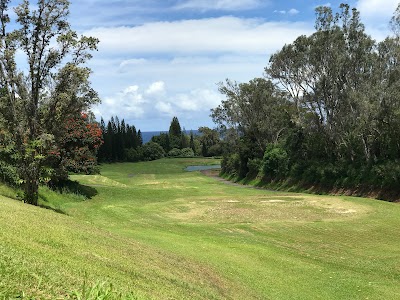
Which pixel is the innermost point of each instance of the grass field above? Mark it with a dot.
(154, 231)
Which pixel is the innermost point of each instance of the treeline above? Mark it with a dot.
(177, 143)
(119, 140)
(121, 143)
(327, 112)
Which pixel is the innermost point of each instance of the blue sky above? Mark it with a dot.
(163, 58)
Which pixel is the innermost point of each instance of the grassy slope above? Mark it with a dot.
(163, 233)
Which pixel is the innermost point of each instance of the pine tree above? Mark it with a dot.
(140, 138)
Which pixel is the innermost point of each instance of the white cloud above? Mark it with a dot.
(293, 11)
(376, 15)
(219, 4)
(134, 61)
(165, 108)
(133, 105)
(130, 101)
(198, 100)
(213, 35)
(156, 88)
(377, 10)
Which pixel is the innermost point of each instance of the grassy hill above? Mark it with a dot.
(154, 231)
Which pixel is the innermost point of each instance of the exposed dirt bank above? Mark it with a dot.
(367, 192)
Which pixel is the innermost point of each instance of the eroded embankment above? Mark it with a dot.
(391, 195)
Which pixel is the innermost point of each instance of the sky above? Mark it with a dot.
(163, 58)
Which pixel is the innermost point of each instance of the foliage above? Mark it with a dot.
(119, 139)
(175, 152)
(329, 117)
(208, 139)
(134, 155)
(76, 148)
(152, 151)
(275, 162)
(51, 89)
(187, 152)
(254, 167)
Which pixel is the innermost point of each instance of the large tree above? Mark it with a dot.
(50, 88)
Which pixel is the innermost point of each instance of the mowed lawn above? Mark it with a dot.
(154, 231)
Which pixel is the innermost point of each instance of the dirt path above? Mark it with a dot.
(215, 174)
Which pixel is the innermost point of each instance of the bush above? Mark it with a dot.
(230, 164)
(254, 166)
(134, 155)
(387, 174)
(215, 150)
(275, 162)
(8, 174)
(175, 152)
(152, 151)
(187, 152)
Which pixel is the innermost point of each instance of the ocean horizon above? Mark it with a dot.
(147, 135)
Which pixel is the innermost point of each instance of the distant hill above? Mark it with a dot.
(147, 135)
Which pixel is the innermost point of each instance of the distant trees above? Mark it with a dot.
(327, 111)
(178, 143)
(119, 138)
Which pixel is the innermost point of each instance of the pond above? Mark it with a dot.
(202, 168)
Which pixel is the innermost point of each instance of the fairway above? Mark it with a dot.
(155, 231)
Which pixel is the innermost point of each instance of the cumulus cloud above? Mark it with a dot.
(130, 100)
(213, 35)
(198, 100)
(136, 103)
(228, 5)
(156, 88)
(165, 108)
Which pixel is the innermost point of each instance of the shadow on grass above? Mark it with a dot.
(74, 187)
(55, 209)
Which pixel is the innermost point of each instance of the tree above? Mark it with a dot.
(191, 143)
(152, 151)
(76, 150)
(175, 128)
(327, 87)
(208, 138)
(255, 109)
(139, 138)
(54, 88)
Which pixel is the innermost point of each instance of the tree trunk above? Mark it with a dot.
(31, 190)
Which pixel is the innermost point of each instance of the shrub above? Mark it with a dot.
(187, 152)
(134, 155)
(175, 152)
(152, 151)
(230, 164)
(8, 174)
(275, 162)
(254, 166)
(215, 150)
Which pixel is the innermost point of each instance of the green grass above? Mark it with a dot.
(153, 231)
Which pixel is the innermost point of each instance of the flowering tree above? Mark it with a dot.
(76, 148)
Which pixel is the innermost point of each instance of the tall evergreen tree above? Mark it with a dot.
(139, 138)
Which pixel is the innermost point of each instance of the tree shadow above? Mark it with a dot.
(55, 209)
(74, 187)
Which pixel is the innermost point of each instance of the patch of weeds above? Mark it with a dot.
(100, 291)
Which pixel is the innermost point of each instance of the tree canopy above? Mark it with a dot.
(327, 109)
(52, 88)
